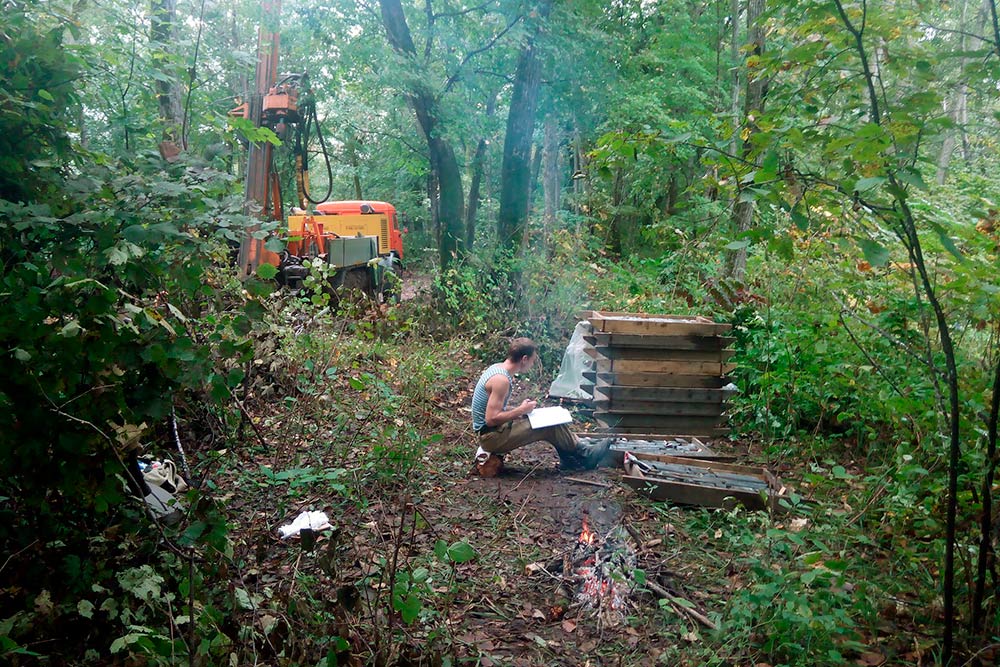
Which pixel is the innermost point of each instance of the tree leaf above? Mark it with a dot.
(267, 271)
(408, 607)
(868, 183)
(875, 253)
(947, 241)
(461, 552)
(912, 177)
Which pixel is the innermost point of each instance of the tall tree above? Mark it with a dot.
(163, 37)
(515, 173)
(551, 181)
(444, 165)
(753, 104)
(476, 178)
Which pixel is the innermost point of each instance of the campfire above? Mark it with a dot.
(604, 571)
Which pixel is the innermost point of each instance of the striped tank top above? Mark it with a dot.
(480, 398)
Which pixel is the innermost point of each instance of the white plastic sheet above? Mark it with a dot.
(569, 382)
(310, 520)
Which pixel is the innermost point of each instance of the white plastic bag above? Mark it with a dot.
(569, 382)
(310, 520)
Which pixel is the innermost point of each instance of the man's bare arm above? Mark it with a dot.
(497, 388)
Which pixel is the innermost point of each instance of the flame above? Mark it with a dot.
(587, 536)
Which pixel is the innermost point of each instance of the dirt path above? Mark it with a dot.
(506, 604)
(512, 613)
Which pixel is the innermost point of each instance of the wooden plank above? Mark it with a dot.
(659, 408)
(675, 367)
(651, 354)
(645, 323)
(638, 431)
(693, 447)
(664, 394)
(739, 469)
(587, 314)
(658, 380)
(691, 494)
(690, 342)
(659, 327)
(705, 495)
(696, 425)
(609, 433)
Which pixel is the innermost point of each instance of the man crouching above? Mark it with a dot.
(503, 430)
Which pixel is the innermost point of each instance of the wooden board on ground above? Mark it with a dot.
(688, 447)
(690, 342)
(704, 493)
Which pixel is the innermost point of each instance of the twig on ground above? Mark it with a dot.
(587, 482)
(526, 476)
(675, 602)
(636, 535)
(16, 553)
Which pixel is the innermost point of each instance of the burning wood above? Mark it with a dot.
(603, 569)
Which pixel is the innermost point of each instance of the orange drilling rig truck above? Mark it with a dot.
(361, 240)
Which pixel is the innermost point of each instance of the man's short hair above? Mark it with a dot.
(521, 348)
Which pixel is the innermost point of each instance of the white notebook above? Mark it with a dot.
(542, 417)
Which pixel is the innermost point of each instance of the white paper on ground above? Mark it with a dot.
(311, 520)
(542, 417)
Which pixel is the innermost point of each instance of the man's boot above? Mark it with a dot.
(597, 453)
(572, 461)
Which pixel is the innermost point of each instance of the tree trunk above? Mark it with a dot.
(959, 111)
(579, 175)
(986, 554)
(476, 179)
(163, 33)
(753, 104)
(536, 170)
(515, 172)
(444, 165)
(734, 11)
(472, 210)
(550, 182)
(352, 158)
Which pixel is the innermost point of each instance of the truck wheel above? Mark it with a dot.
(359, 280)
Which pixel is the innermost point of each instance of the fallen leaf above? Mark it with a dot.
(870, 659)
(538, 613)
(568, 625)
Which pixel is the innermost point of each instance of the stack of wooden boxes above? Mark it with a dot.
(659, 374)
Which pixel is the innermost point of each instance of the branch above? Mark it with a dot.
(962, 33)
(882, 332)
(462, 12)
(469, 56)
(863, 54)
